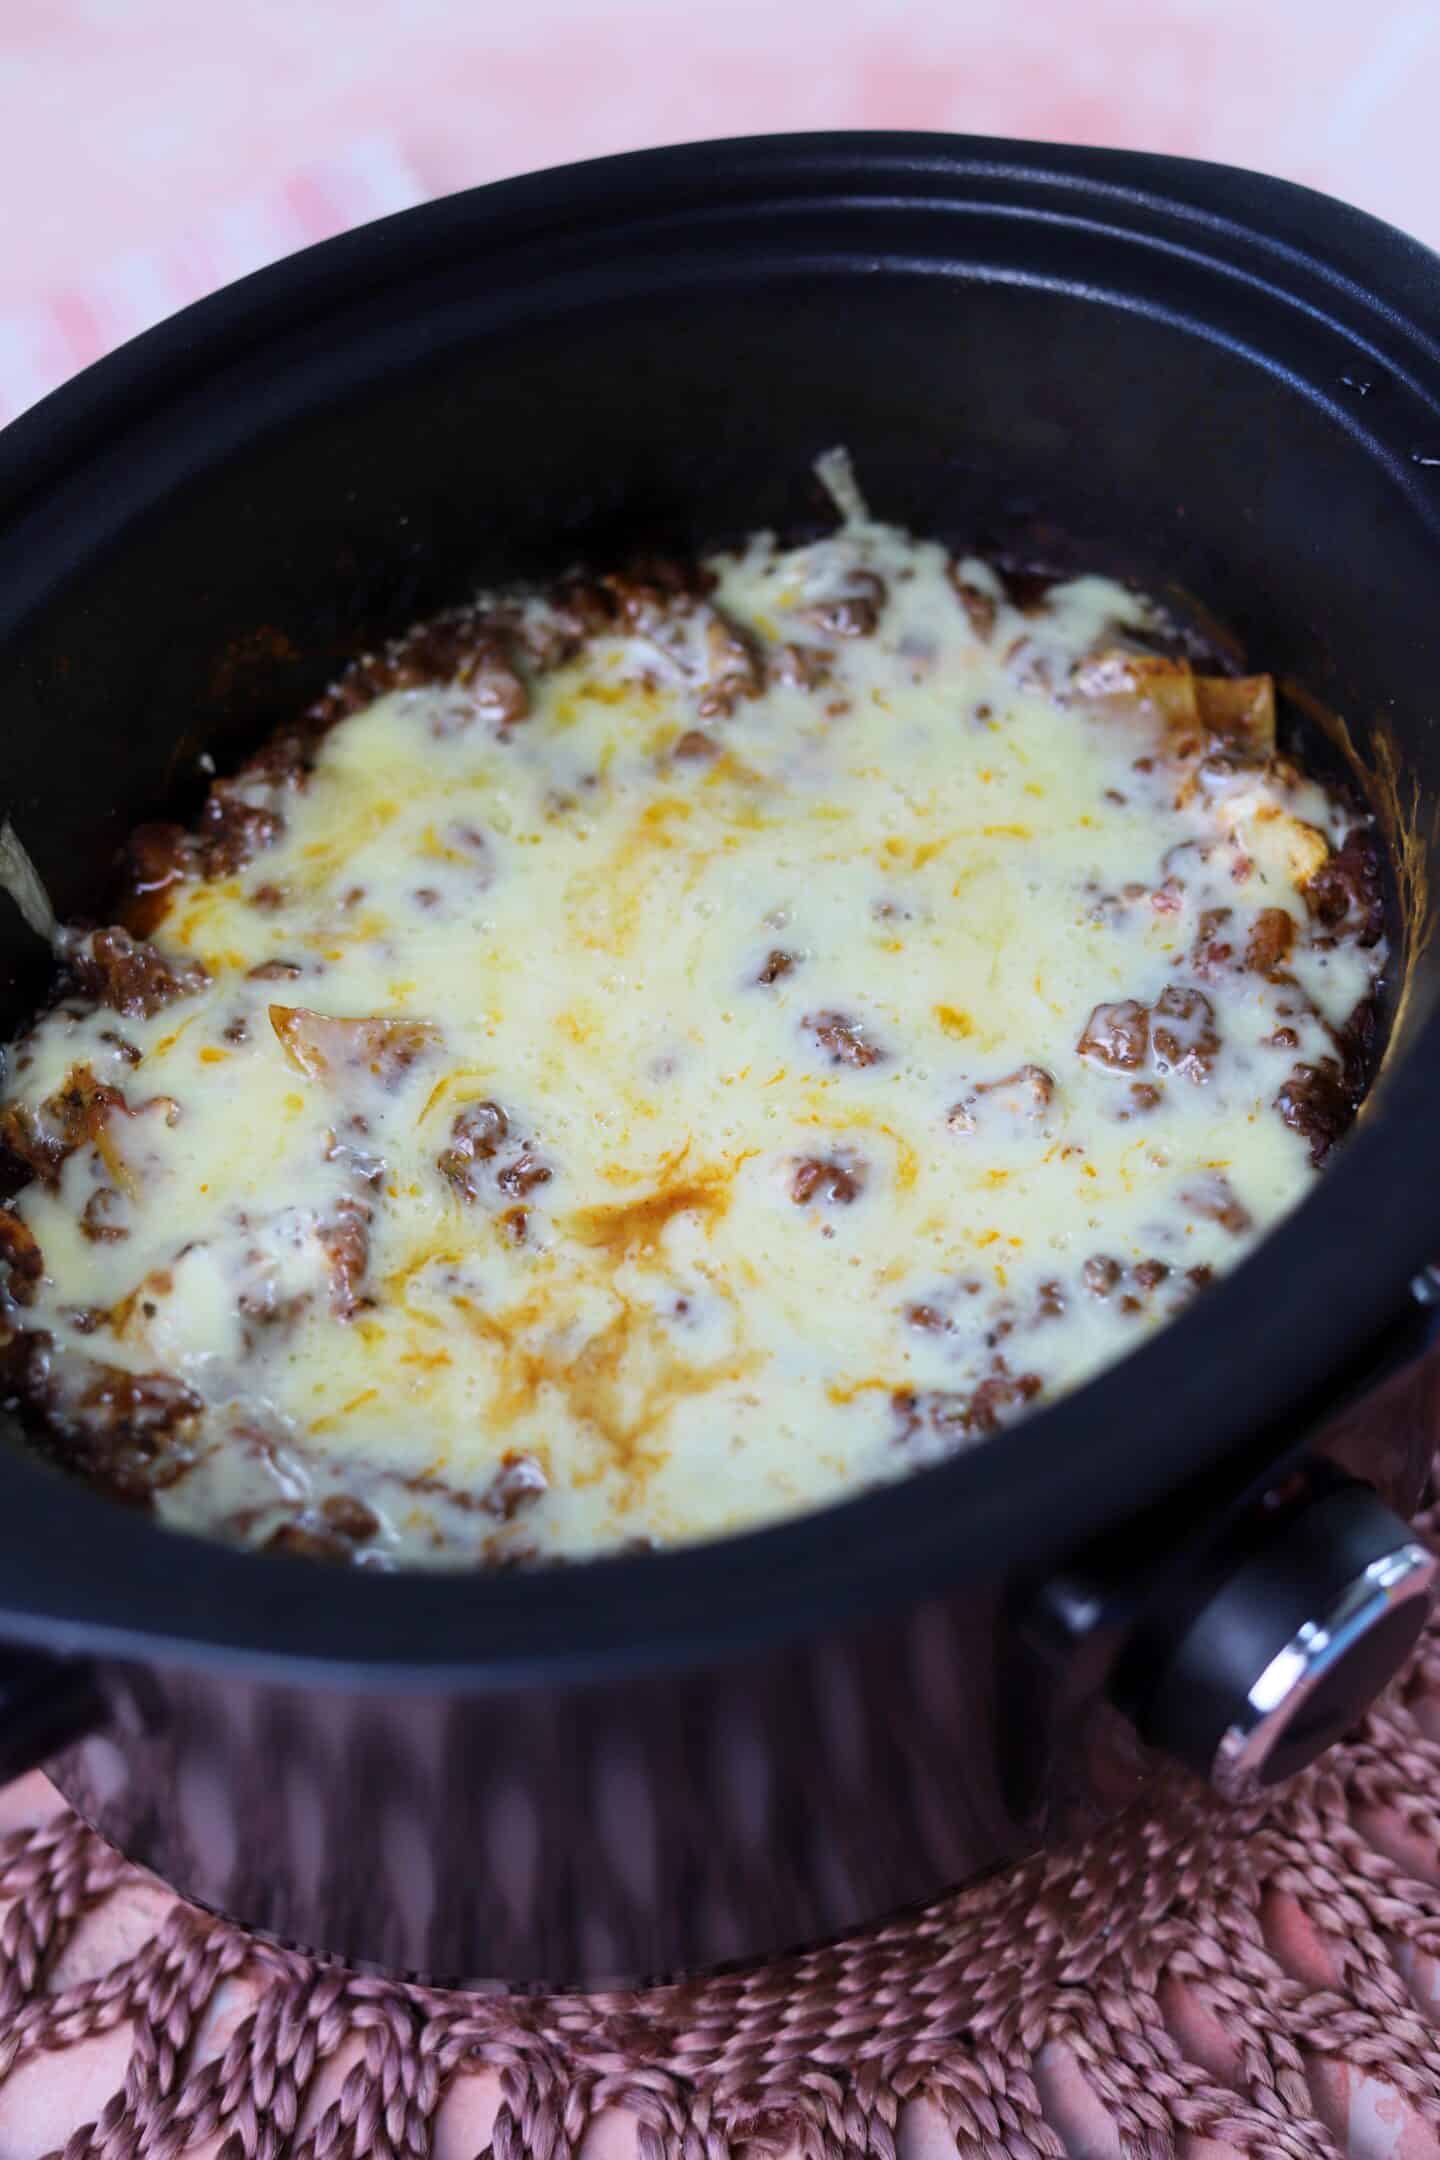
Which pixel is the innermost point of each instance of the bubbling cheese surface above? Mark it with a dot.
(841, 1010)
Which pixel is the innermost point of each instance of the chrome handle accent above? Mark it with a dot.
(1273, 1718)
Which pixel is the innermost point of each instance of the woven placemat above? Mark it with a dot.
(1190, 1981)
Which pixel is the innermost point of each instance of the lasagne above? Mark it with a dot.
(658, 1053)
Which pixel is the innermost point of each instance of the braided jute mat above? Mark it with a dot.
(1189, 1981)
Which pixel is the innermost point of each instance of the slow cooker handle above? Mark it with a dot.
(1250, 1655)
(46, 1703)
(1291, 1648)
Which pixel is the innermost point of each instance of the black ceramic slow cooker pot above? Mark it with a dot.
(1211, 382)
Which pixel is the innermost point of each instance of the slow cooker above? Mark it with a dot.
(1221, 386)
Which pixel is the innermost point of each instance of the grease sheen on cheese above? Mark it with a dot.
(732, 1130)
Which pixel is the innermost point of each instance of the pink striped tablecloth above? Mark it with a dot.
(46, 339)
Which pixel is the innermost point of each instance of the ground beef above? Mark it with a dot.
(1317, 1102)
(802, 667)
(495, 685)
(131, 978)
(666, 602)
(1213, 1197)
(843, 1038)
(1117, 1035)
(980, 606)
(96, 1217)
(1347, 891)
(463, 649)
(31, 1141)
(777, 963)
(651, 589)
(350, 1517)
(733, 669)
(1023, 1096)
(1212, 952)
(127, 1431)
(1027, 1092)
(263, 1306)
(285, 760)
(346, 1242)
(1183, 1036)
(1000, 1396)
(853, 613)
(233, 830)
(476, 1136)
(308, 1540)
(832, 1179)
(330, 1532)
(518, 1178)
(73, 1117)
(518, 1483)
(21, 1256)
(1272, 934)
(953, 1417)
(474, 648)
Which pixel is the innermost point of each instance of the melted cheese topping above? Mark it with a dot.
(654, 1117)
